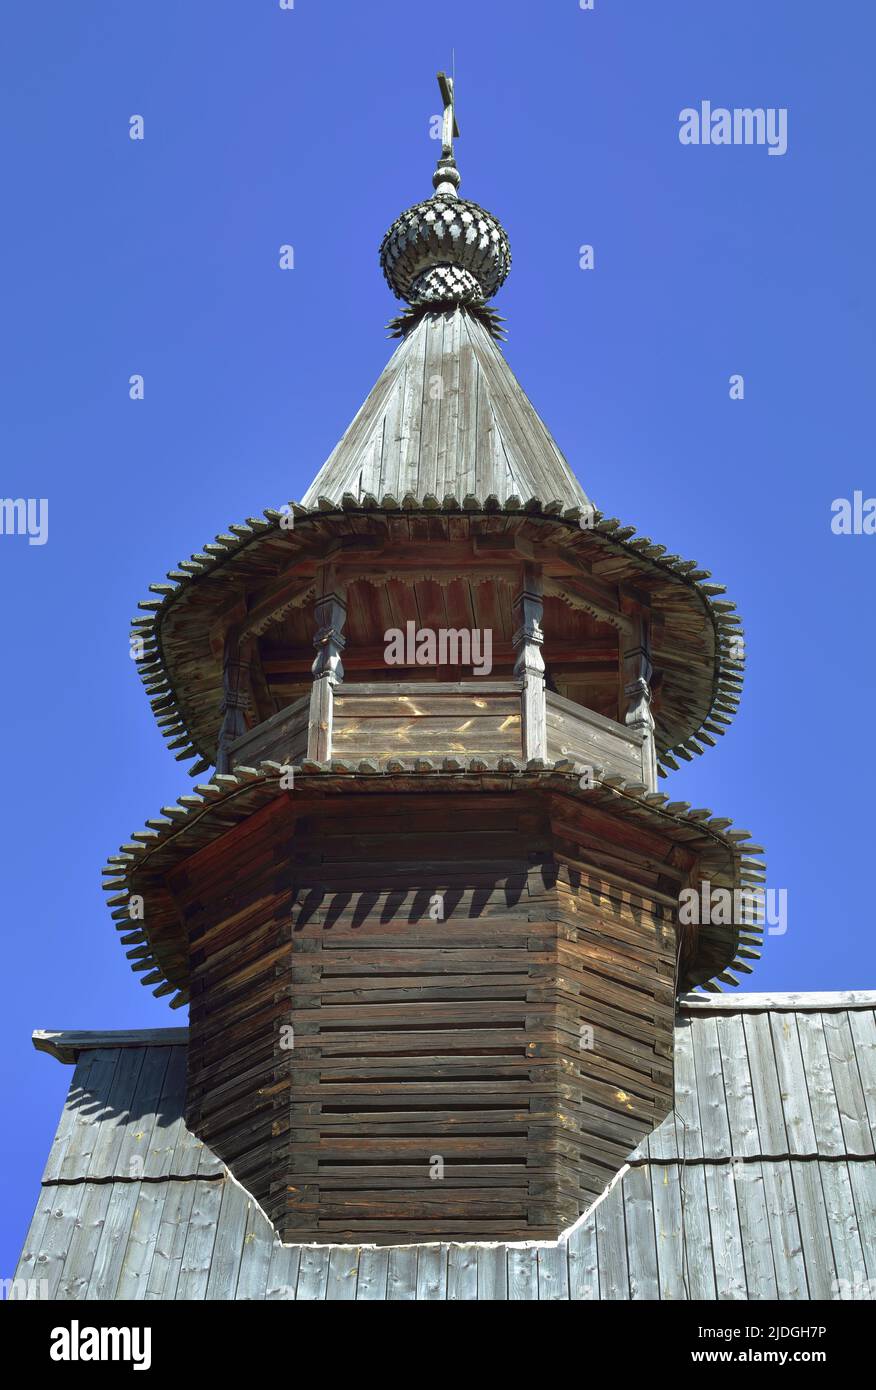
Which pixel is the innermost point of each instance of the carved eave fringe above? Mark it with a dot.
(244, 541)
(405, 322)
(158, 952)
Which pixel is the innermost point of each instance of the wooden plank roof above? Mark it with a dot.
(760, 1184)
(447, 416)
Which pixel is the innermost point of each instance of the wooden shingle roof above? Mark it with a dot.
(760, 1184)
(447, 416)
(157, 942)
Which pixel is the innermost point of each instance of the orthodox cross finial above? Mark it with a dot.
(445, 251)
(446, 178)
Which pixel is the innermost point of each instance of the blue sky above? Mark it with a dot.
(311, 127)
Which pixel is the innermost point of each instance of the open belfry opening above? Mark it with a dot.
(426, 912)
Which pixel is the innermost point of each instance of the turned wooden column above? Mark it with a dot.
(637, 689)
(529, 664)
(330, 611)
(236, 695)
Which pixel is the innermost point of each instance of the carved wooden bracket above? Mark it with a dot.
(529, 664)
(637, 689)
(330, 612)
(236, 694)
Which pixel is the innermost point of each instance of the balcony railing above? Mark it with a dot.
(408, 719)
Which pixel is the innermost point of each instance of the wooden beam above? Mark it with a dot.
(637, 692)
(529, 666)
(330, 612)
(237, 694)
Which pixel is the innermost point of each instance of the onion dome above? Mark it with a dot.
(445, 251)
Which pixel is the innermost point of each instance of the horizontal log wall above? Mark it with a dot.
(374, 1071)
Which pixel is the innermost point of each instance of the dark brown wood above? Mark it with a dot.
(436, 966)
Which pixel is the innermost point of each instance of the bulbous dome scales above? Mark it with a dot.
(445, 250)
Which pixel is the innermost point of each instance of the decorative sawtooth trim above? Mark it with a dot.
(729, 664)
(254, 787)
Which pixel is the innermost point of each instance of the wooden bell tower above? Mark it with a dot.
(426, 916)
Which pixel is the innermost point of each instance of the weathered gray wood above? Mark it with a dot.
(82, 1136)
(462, 1273)
(167, 1149)
(583, 1262)
(688, 1131)
(68, 1045)
(699, 1251)
(814, 1229)
(255, 1263)
(785, 1235)
(553, 1273)
(666, 1197)
(115, 1112)
(65, 1204)
(170, 1243)
(523, 458)
(373, 1274)
(283, 1272)
(847, 1084)
(228, 1245)
(432, 1272)
(200, 1236)
(842, 1222)
(833, 1000)
(402, 1276)
(313, 1273)
(136, 1141)
(863, 1030)
(640, 1234)
(82, 1251)
(862, 1177)
(760, 1274)
(522, 1273)
(792, 1084)
(819, 1085)
(614, 1275)
(343, 1273)
(738, 1092)
(31, 1251)
(765, 1083)
(140, 1249)
(492, 1273)
(107, 1269)
(711, 1098)
(722, 1187)
(35, 1262)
